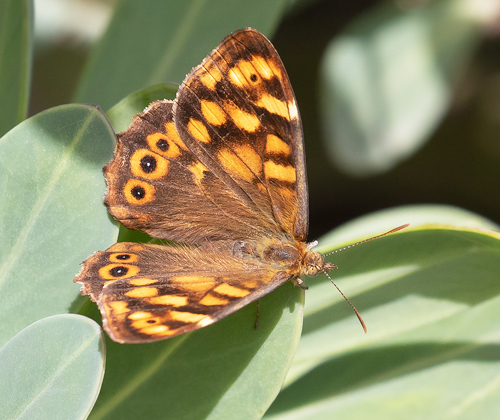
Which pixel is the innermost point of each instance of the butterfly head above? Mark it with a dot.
(313, 263)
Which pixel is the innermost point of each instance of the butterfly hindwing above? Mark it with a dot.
(142, 300)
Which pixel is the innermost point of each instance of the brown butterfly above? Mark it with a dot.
(221, 171)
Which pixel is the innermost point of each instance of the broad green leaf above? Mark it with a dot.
(123, 112)
(161, 42)
(16, 48)
(387, 81)
(228, 370)
(52, 369)
(51, 212)
(430, 296)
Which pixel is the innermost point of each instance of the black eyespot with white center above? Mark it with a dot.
(138, 192)
(119, 271)
(163, 145)
(148, 164)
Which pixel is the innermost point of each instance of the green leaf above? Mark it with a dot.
(123, 112)
(387, 81)
(430, 296)
(51, 212)
(160, 43)
(52, 369)
(228, 370)
(16, 48)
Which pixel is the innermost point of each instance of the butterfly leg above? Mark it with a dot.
(297, 281)
(256, 324)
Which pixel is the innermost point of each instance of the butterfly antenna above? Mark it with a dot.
(350, 246)
(349, 302)
(369, 239)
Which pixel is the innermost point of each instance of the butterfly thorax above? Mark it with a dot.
(291, 255)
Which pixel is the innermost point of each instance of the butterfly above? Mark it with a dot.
(221, 172)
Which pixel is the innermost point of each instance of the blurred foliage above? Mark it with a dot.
(388, 81)
(16, 49)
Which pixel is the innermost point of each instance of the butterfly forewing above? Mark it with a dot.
(156, 184)
(237, 112)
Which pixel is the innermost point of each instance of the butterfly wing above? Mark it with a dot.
(157, 185)
(237, 112)
(227, 150)
(149, 292)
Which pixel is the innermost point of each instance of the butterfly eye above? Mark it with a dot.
(123, 257)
